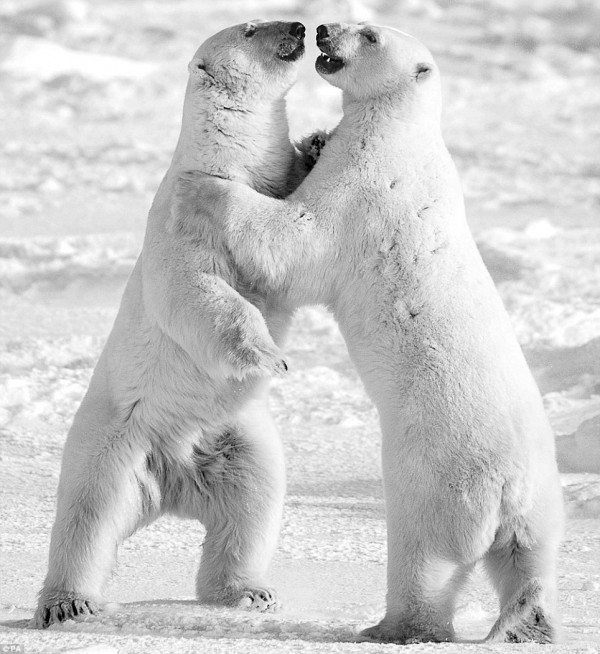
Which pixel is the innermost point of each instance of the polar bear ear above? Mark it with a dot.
(250, 28)
(423, 71)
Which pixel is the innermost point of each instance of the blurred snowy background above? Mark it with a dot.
(90, 107)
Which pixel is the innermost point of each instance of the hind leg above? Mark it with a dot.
(525, 579)
(99, 503)
(421, 598)
(243, 480)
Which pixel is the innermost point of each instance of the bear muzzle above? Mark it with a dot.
(291, 47)
(329, 61)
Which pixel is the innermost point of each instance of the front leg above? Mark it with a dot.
(223, 333)
(271, 240)
(219, 329)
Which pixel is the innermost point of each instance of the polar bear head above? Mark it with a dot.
(250, 62)
(371, 61)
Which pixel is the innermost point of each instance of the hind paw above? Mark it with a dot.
(406, 633)
(251, 598)
(531, 627)
(535, 629)
(263, 600)
(62, 609)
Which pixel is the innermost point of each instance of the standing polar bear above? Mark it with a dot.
(175, 417)
(377, 232)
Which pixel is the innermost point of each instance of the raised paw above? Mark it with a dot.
(317, 142)
(269, 360)
(67, 608)
(261, 359)
(311, 146)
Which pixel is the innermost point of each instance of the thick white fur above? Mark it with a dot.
(377, 231)
(175, 418)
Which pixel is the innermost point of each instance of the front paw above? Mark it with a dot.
(259, 358)
(311, 146)
(61, 609)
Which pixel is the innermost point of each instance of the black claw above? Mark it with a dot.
(284, 365)
(46, 619)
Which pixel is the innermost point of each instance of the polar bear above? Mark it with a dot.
(175, 417)
(377, 232)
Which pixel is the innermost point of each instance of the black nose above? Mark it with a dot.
(322, 32)
(298, 30)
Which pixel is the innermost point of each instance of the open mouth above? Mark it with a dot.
(290, 55)
(327, 64)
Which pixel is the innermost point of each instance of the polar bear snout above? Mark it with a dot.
(298, 30)
(328, 41)
(291, 46)
(328, 37)
(322, 33)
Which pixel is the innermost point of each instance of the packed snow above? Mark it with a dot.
(91, 106)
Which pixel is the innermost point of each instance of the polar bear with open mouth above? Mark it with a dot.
(377, 232)
(175, 418)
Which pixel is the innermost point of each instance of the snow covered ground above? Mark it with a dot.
(91, 102)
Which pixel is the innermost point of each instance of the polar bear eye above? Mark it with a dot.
(250, 30)
(371, 38)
